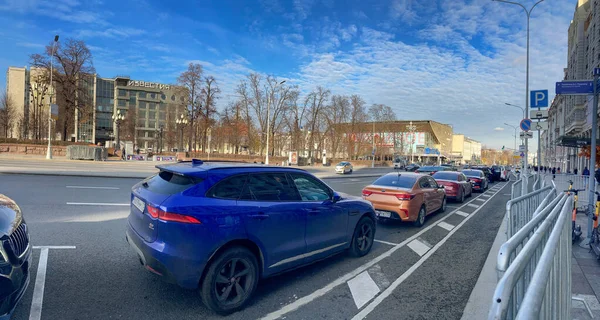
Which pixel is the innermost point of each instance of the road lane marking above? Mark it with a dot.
(418, 247)
(379, 277)
(35, 313)
(363, 289)
(343, 279)
(98, 204)
(486, 195)
(86, 187)
(446, 226)
(479, 199)
(385, 242)
(461, 213)
(472, 205)
(387, 292)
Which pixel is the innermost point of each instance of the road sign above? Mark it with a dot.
(516, 153)
(539, 99)
(525, 124)
(540, 125)
(521, 148)
(522, 154)
(539, 114)
(526, 135)
(575, 87)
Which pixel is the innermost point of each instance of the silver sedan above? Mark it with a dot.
(343, 167)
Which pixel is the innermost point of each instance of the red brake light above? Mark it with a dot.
(169, 216)
(366, 193)
(405, 196)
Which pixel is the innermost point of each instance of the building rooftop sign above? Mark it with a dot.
(144, 84)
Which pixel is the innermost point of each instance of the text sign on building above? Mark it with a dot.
(151, 85)
(539, 114)
(575, 87)
(539, 99)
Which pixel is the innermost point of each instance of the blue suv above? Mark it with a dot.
(220, 227)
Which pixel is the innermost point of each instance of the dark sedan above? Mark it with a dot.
(478, 179)
(412, 167)
(15, 256)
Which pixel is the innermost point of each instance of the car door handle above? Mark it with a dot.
(260, 216)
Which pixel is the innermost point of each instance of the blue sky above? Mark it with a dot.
(453, 61)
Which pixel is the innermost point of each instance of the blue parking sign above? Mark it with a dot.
(538, 99)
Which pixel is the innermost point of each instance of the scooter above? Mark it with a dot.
(576, 233)
(595, 241)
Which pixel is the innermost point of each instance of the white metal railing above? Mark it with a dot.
(562, 183)
(536, 282)
(520, 210)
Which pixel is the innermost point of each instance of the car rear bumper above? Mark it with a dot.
(157, 258)
(397, 213)
(14, 280)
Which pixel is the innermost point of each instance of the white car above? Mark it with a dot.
(343, 167)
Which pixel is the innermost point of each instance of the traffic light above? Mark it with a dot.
(502, 147)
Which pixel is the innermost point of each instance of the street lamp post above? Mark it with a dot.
(528, 12)
(269, 119)
(49, 151)
(160, 143)
(522, 109)
(118, 119)
(411, 128)
(181, 122)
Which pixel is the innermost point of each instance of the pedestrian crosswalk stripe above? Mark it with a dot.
(418, 247)
(446, 226)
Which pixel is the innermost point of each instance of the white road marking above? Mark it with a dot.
(419, 247)
(385, 242)
(85, 187)
(387, 292)
(479, 199)
(379, 277)
(363, 289)
(472, 205)
(54, 247)
(35, 313)
(461, 213)
(98, 204)
(507, 194)
(486, 195)
(446, 226)
(343, 279)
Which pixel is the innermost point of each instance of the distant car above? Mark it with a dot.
(220, 227)
(477, 178)
(398, 164)
(344, 167)
(496, 173)
(456, 184)
(486, 171)
(432, 169)
(15, 256)
(405, 197)
(412, 167)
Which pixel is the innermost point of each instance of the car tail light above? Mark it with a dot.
(366, 193)
(405, 196)
(476, 180)
(157, 213)
(449, 187)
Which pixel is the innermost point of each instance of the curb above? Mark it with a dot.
(480, 300)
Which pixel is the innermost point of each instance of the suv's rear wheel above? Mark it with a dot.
(230, 280)
(364, 235)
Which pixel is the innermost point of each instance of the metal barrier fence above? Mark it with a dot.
(562, 183)
(515, 189)
(537, 264)
(520, 210)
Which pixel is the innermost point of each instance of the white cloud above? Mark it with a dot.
(498, 129)
(117, 32)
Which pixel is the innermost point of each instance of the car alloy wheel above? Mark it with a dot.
(421, 217)
(230, 280)
(443, 208)
(462, 196)
(364, 235)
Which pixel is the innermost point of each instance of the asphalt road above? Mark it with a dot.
(412, 273)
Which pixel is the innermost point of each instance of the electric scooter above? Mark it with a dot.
(595, 241)
(576, 233)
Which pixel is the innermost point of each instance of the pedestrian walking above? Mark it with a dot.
(575, 171)
(553, 173)
(586, 177)
(123, 154)
(558, 170)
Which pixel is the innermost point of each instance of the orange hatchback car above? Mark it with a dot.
(406, 197)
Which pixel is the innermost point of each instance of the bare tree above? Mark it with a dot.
(382, 115)
(191, 79)
(8, 115)
(73, 72)
(315, 102)
(281, 99)
(244, 108)
(38, 90)
(358, 115)
(128, 131)
(208, 110)
(336, 113)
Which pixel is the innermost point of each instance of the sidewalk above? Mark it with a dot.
(585, 282)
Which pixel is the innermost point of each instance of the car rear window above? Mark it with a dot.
(398, 181)
(427, 169)
(472, 173)
(168, 183)
(445, 176)
(229, 188)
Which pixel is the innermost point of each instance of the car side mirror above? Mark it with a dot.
(336, 197)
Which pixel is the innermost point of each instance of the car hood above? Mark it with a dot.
(10, 215)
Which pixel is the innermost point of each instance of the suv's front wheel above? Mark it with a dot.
(230, 280)
(364, 235)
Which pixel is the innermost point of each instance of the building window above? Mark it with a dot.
(142, 105)
(173, 98)
(163, 107)
(122, 93)
(152, 124)
(162, 96)
(162, 116)
(122, 103)
(152, 115)
(153, 95)
(132, 101)
(152, 105)
(142, 114)
(142, 123)
(142, 94)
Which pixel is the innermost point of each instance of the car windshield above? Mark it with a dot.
(445, 176)
(395, 180)
(471, 173)
(342, 163)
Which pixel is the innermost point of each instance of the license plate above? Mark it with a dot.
(138, 203)
(383, 214)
